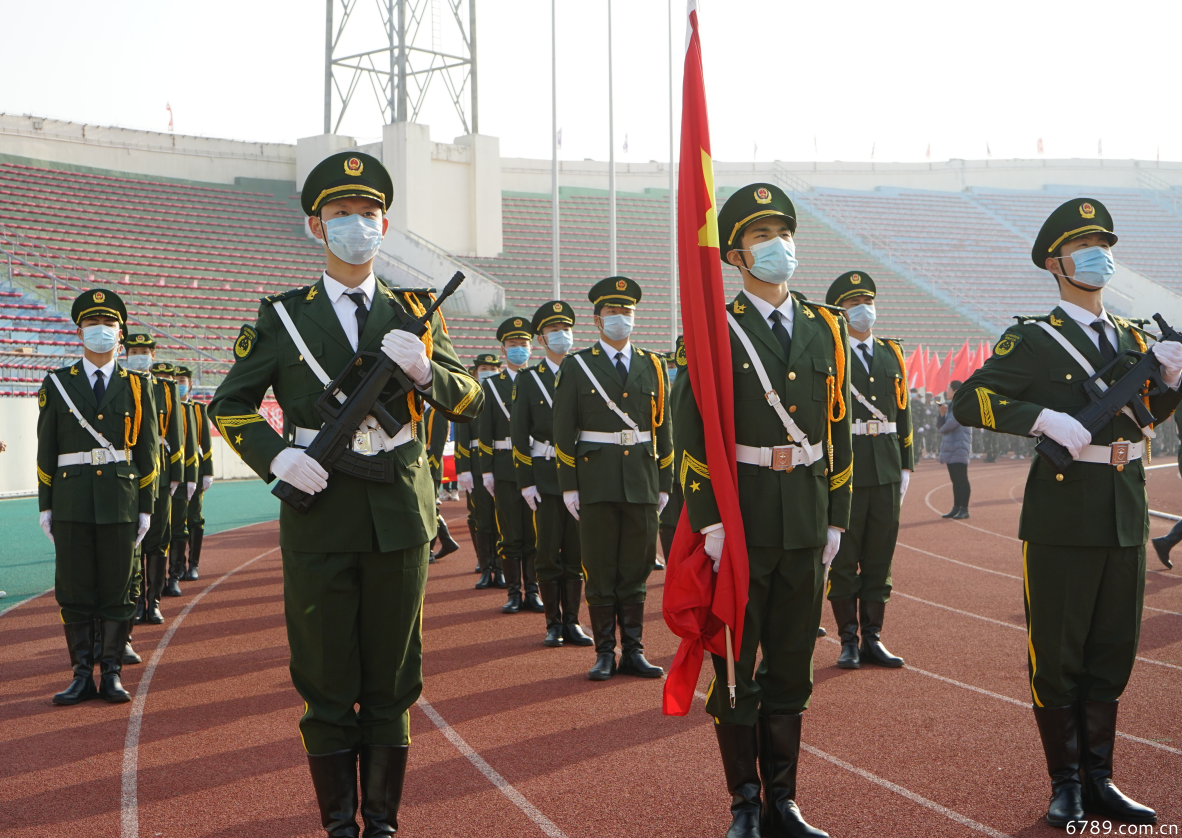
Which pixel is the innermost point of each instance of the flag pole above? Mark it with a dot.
(554, 147)
(611, 164)
(672, 200)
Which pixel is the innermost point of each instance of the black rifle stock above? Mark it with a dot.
(1106, 403)
(332, 445)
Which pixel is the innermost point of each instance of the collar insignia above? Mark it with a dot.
(739, 308)
(808, 312)
(311, 293)
(1056, 322)
(594, 350)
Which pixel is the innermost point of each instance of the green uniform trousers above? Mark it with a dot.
(354, 626)
(515, 524)
(862, 567)
(180, 514)
(559, 553)
(160, 530)
(1083, 620)
(481, 509)
(193, 516)
(619, 546)
(95, 570)
(784, 597)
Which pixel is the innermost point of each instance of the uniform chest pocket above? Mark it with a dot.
(747, 384)
(305, 382)
(1066, 384)
(592, 403)
(126, 471)
(822, 372)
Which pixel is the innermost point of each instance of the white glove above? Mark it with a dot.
(172, 487)
(145, 522)
(1064, 429)
(467, 483)
(715, 537)
(410, 353)
(1170, 354)
(662, 502)
(489, 482)
(47, 524)
(291, 465)
(532, 497)
(831, 547)
(206, 482)
(190, 488)
(904, 484)
(571, 499)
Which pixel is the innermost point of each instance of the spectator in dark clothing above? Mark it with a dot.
(956, 446)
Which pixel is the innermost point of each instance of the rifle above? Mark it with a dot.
(343, 415)
(1108, 401)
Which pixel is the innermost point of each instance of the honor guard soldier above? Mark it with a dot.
(97, 448)
(435, 429)
(615, 467)
(794, 452)
(671, 514)
(559, 568)
(184, 494)
(355, 565)
(1083, 531)
(482, 519)
(194, 520)
(884, 457)
(516, 542)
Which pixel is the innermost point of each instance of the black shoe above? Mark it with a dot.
(951, 514)
(845, 612)
(572, 598)
(176, 566)
(657, 565)
(1060, 743)
(154, 587)
(334, 776)
(512, 569)
(632, 661)
(531, 601)
(485, 579)
(130, 656)
(114, 642)
(513, 604)
(737, 745)
(172, 588)
(603, 626)
(383, 769)
(498, 580)
(779, 752)
(821, 632)
(80, 642)
(960, 516)
(140, 608)
(552, 600)
(1162, 547)
(447, 544)
(872, 650)
(196, 537)
(1100, 796)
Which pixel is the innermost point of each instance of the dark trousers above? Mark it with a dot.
(354, 625)
(1083, 620)
(784, 597)
(160, 529)
(180, 514)
(482, 509)
(515, 527)
(862, 567)
(559, 553)
(959, 472)
(95, 570)
(619, 544)
(193, 516)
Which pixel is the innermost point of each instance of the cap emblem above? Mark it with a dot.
(763, 195)
(621, 285)
(99, 296)
(353, 166)
(1087, 210)
(855, 280)
(558, 306)
(517, 323)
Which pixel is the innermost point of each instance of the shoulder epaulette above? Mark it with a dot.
(1023, 319)
(896, 341)
(291, 292)
(419, 291)
(593, 349)
(807, 302)
(1136, 322)
(65, 369)
(140, 373)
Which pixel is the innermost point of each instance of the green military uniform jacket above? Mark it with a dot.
(604, 472)
(349, 511)
(784, 509)
(493, 425)
(435, 426)
(190, 430)
(112, 493)
(466, 455)
(533, 419)
(171, 466)
(201, 435)
(881, 459)
(1094, 504)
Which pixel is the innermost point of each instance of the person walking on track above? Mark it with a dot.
(482, 516)
(956, 450)
(354, 566)
(794, 453)
(1083, 531)
(884, 457)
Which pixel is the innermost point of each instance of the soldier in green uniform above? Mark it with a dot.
(516, 542)
(615, 466)
(560, 573)
(884, 457)
(795, 468)
(435, 428)
(354, 566)
(193, 517)
(482, 520)
(97, 447)
(671, 514)
(1083, 531)
(179, 526)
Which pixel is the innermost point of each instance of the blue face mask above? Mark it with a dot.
(354, 239)
(618, 326)
(560, 341)
(862, 317)
(182, 390)
(518, 355)
(100, 339)
(139, 362)
(672, 374)
(773, 261)
(483, 374)
(1093, 266)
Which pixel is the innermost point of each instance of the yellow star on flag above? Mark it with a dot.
(708, 232)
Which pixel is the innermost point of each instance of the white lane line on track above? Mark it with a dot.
(506, 788)
(130, 818)
(927, 499)
(897, 789)
(23, 601)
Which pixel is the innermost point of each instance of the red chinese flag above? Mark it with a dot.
(962, 364)
(698, 603)
(915, 368)
(944, 373)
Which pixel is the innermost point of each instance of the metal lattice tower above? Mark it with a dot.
(399, 72)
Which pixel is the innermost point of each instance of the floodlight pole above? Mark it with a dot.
(611, 165)
(554, 147)
(672, 199)
(328, 67)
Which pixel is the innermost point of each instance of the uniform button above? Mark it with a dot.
(1059, 477)
(357, 362)
(625, 452)
(100, 416)
(1068, 376)
(789, 469)
(791, 375)
(625, 395)
(99, 472)
(584, 459)
(872, 379)
(874, 398)
(792, 409)
(1120, 468)
(748, 366)
(301, 357)
(63, 474)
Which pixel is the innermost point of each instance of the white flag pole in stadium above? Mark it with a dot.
(554, 148)
(611, 161)
(672, 198)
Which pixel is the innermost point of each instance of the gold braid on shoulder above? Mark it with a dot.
(1144, 348)
(131, 430)
(412, 399)
(659, 402)
(900, 385)
(834, 382)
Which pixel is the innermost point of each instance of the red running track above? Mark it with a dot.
(512, 740)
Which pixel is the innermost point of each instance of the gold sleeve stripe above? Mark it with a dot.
(467, 400)
(433, 461)
(177, 456)
(147, 481)
(668, 461)
(461, 452)
(207, 455)
(517, 455)
(986, 408)
(840, 479)
(226, 422)
(564, 458)
(43, 477)
(192, 461)
(487, 449)
(688, 463)
(909, 439)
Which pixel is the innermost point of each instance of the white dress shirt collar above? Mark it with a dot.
(1084, 317)
(611, 352)
(90, 369)
(765, 309)
(335, 289)
(553, 366)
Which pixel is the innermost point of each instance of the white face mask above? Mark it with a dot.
(560, 341)
(139, 362)
(100, 339)
(773, 261)
(618, 326)
(354, 239)
(486, 374)
(862, 317)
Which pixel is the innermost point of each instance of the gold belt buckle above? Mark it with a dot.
(782, 457)
(626, 438)
(873, 427)
(98, 456)
(1120, 453)
(362, 443)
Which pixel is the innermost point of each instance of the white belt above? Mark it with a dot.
(502, 444)
(474, 444)
(1116, 454)
(367, 442)
(617, 438)
(874, 427)
(93, 457)
(779, 458)
(537, 448)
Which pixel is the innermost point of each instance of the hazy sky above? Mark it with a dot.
(791, 81)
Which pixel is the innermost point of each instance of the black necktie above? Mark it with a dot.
(358, 298)
(99, 387)
(865, 350)
(780, 332)
(1106, 350)
(621, 369)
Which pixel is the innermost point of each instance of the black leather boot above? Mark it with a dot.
(572, 598)
(80, 642)
(176, 566)
(111, 664)
(603, 626)
(334, 776)
(632, 660)
(475, 546)
(529, 583)
(1060, 743)
(494, 559)
(845, 612)
(952, 513)
(447, 544)
(1097, 738)
(872, 650)
(962, 514)
(1162, 546)
(737, 744)
(130, 656)
(551, 599)
(196, 535)
(513, 578)
(383, 769)
(484, 563)
(779, 752)
(154, 586)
